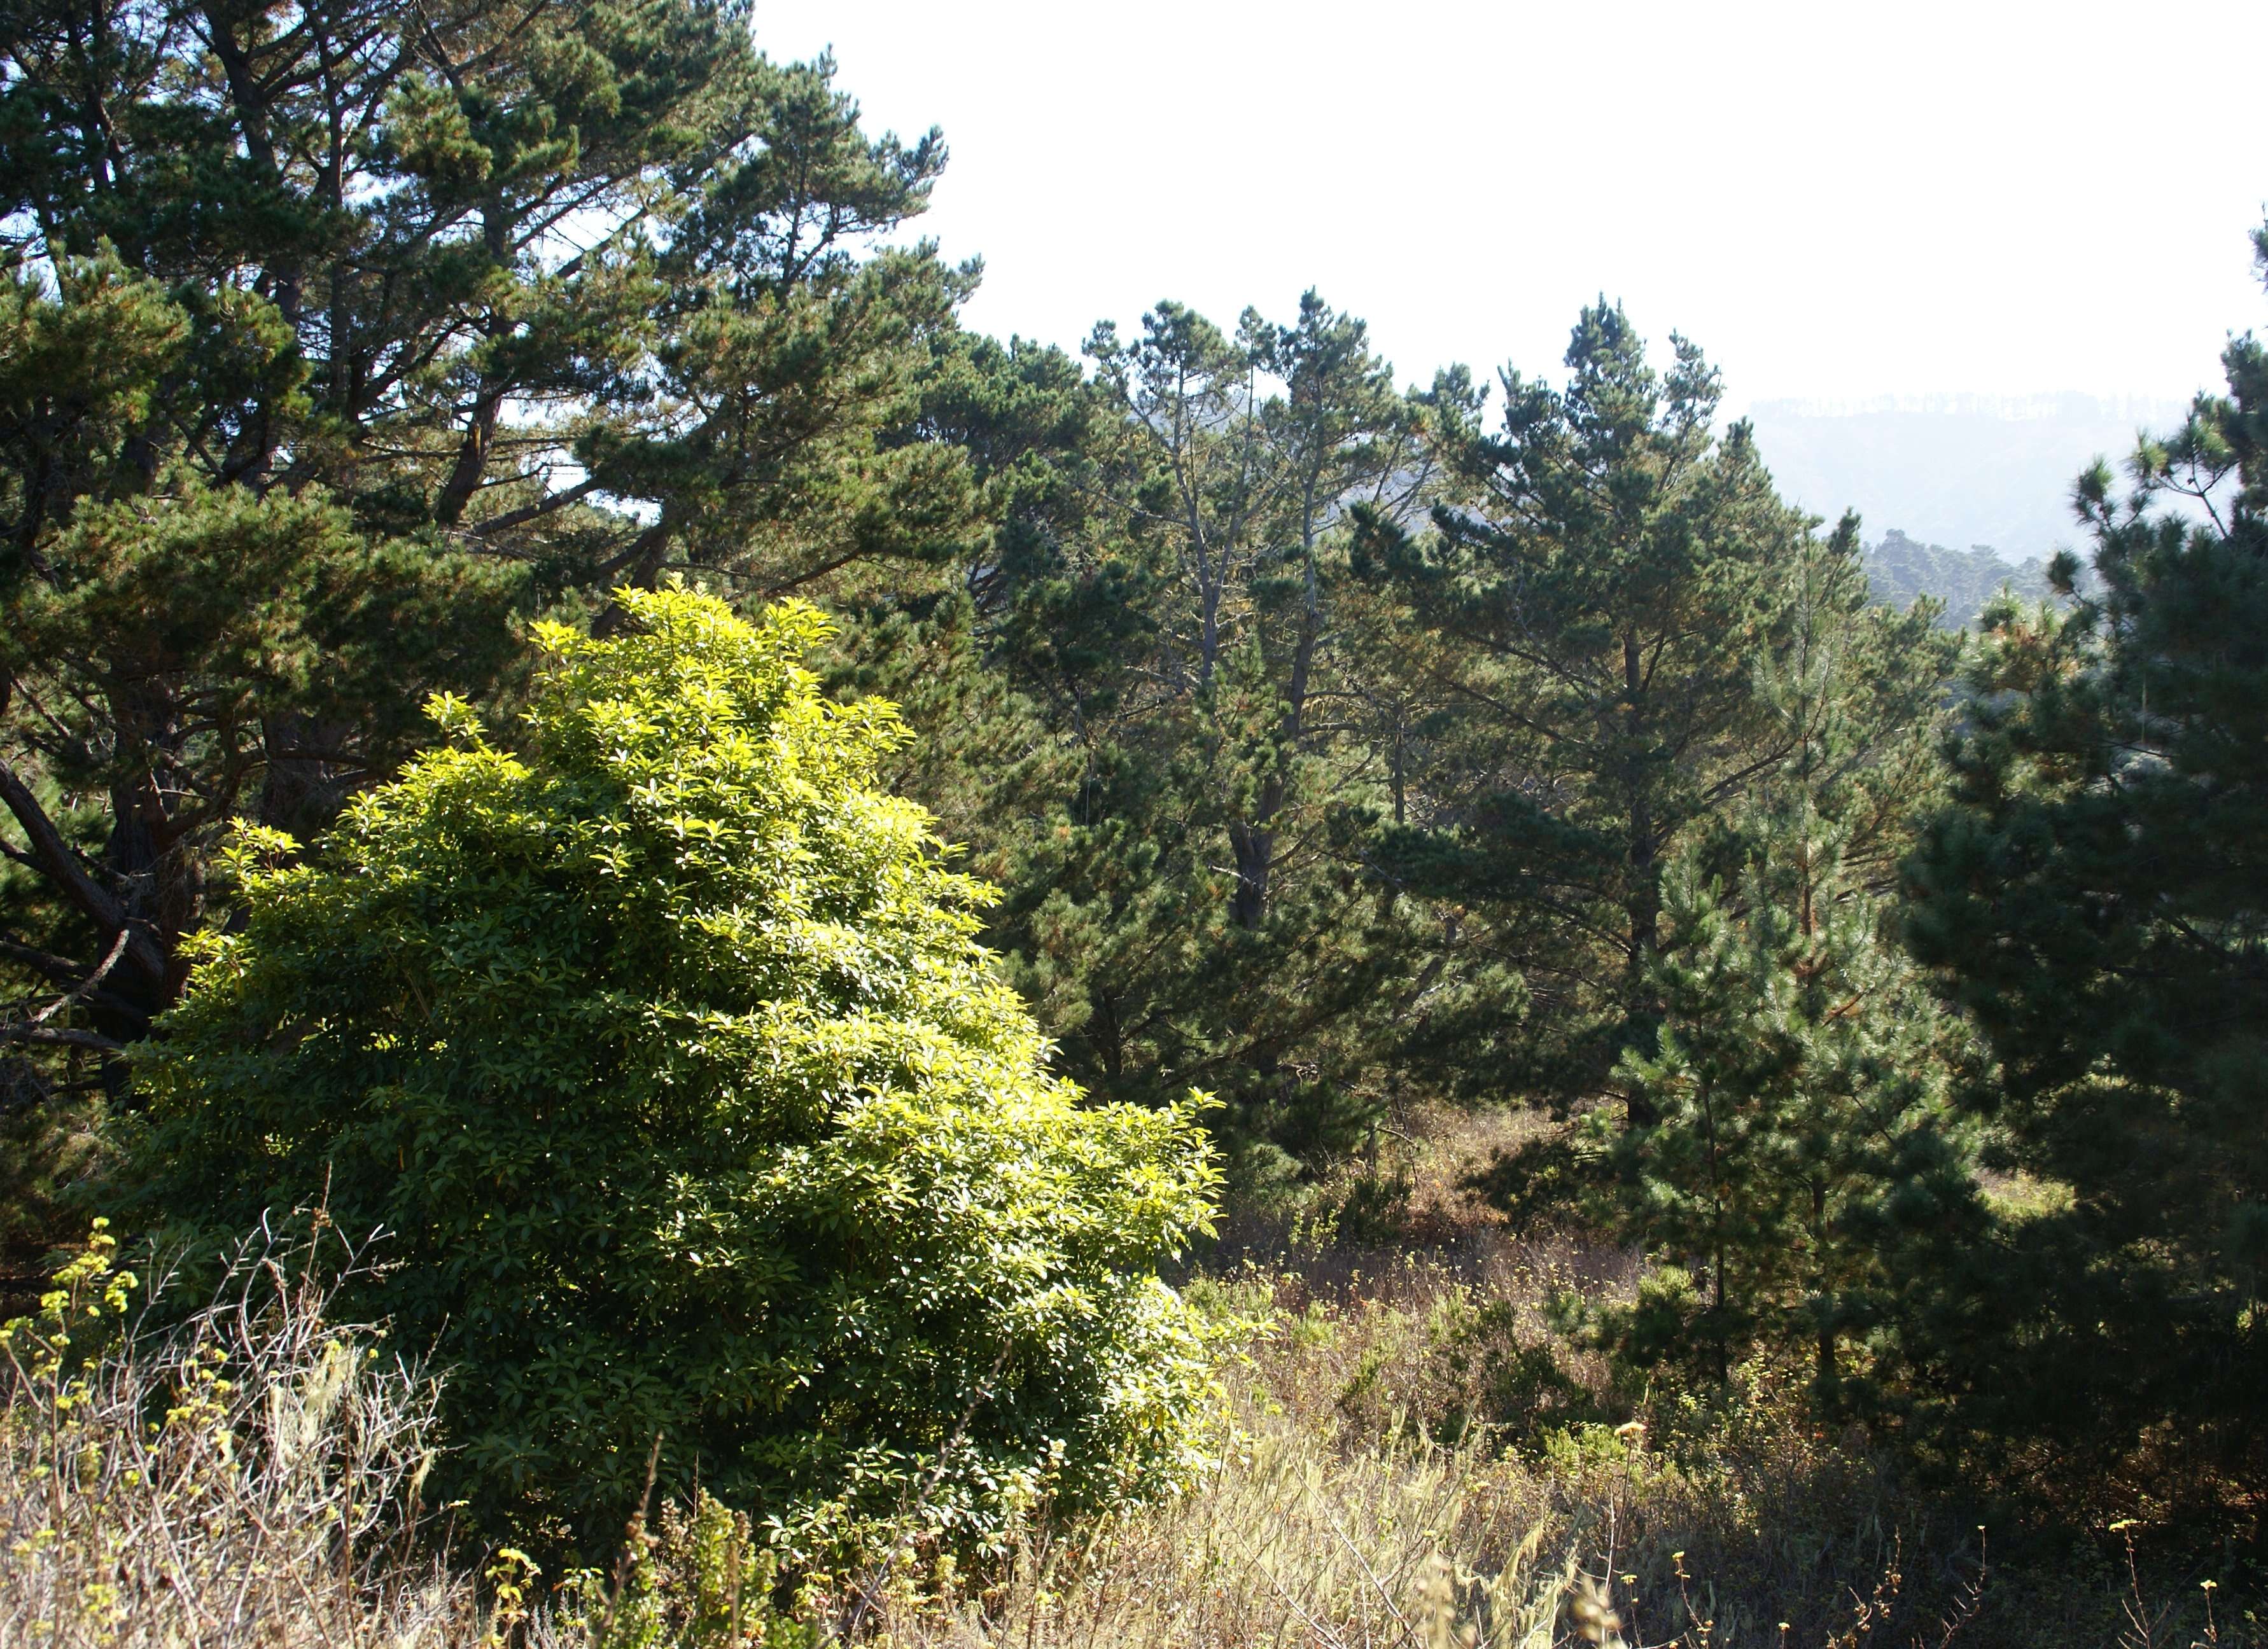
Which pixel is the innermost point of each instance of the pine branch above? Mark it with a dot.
(60, 865)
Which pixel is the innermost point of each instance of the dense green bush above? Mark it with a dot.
(663, 1048)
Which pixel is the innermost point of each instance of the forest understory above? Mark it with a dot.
(1404, 1447)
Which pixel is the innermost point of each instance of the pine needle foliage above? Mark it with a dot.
(1804, 1142)
(2097, 897)
(1802, 1163)
(1604, 592)
(334, 341)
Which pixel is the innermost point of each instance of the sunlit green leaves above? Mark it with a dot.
(664, 1049)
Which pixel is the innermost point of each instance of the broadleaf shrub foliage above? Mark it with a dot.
(664, 1048)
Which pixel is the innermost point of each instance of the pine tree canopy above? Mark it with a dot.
(1610, 585)
(1800, 1169)
(332, 339)
(2096, 900)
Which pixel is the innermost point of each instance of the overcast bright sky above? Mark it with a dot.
(1836, 201)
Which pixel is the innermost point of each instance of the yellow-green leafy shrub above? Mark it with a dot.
(663, 1048)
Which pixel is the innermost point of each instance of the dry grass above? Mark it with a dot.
(1338, 1516)
(1406, 1456)
(1367, 1495)
(1286, 1542)
(246, 1476)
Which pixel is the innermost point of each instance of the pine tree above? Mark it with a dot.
(1603, 597)
(2096, 899)
(1801, 1166)
(1153, 650)
(333, 339)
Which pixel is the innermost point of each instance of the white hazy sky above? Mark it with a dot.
(1838, 201)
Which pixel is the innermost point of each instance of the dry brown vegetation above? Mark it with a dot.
(248, 1476)
(1407, 1454)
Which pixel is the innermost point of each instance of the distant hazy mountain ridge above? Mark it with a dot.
(1954, 469)
(1901, 570)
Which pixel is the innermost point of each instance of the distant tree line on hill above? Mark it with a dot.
(1901, 571)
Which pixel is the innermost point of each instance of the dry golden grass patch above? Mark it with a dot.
(1405, 1456)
